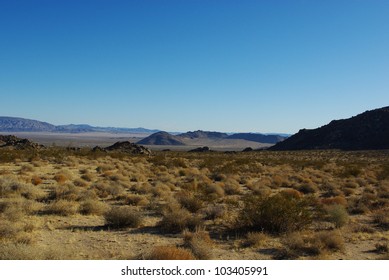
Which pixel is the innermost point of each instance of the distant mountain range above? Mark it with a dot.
(12, 124)
(366, 131)
(188, 138)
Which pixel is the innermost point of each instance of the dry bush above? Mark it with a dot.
(36, 180)
(291, 193)
(308, 188)
(190, 201)
(93, 207)
(338, 200)
(337, 214)
(136, 200)
(200, 243)
(275, 214)
(255, 239)
(381, 218)
(65, 192)
(382, 247)
(169, 253)
(176, 219)
(123, 216)
(214, 191)
(62, 177)
(80, 182)
(331, 240)
(63, 208)
(142, 188)
(298, 245)
(217, 211)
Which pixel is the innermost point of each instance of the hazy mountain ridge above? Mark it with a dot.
(165, 138)
(366, 131)
(14, 124)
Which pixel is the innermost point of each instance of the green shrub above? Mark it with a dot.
(275, 214)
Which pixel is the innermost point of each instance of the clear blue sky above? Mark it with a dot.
(236, 66)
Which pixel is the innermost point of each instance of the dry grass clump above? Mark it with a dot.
(123, 216)
(331, 240)
(275, 214)
(93, 207)
(175, 219)
(136, 200)
(200, 243)
(63, 207)
(217, 211)
(169, 253)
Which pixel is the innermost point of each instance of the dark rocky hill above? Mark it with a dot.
(203, 134)
(13, 142)
(127, 147)
(366, 131)
(256, 137)
(161, 138)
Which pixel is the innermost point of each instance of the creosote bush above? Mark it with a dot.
(275, 214)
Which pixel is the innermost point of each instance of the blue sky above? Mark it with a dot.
(235, 66)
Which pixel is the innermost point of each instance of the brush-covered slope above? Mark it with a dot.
(366, 131)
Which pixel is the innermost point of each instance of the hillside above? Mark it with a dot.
(202, 134)
(366, 131)
(256, 137)
(161, 138)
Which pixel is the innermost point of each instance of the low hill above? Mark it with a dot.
(256, 137)
(161, 138)
(366, 131)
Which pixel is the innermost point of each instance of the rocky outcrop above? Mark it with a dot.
(128, 147)
(13, 142)
(366, 131)
(200, 150)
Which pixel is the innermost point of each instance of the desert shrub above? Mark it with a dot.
(63, 208)
(80, 182)
(123, 216)
(214, 191)
(308, 188)
(298, 245)
(338, 200)
(275, 214)
(213, 212)
(291, 193)
(190, 201)
(331, 240)
(255, 239)
(65, 192)
(93, 207)
(176, 219)
(169, 253)
(136, 200)
(337, 214)
(199, 243)
(382, 247)
(36, 180)
(381, 218)
(62, 177)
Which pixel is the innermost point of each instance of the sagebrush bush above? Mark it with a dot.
(123, 216)
(275, 214)
(200, 244)
(93, 207)
(337, 214)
